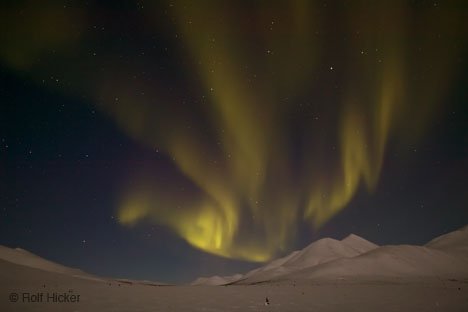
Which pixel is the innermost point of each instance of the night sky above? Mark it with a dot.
(166, 140)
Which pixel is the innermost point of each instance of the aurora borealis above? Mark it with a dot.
(236, 166)
(265, 118)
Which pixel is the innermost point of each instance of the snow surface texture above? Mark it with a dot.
(328, 275)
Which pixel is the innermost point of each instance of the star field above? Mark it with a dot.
(166, 140)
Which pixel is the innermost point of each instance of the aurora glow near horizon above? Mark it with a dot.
(279, 128)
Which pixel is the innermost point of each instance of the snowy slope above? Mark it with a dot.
(355, 257)
(453, 242)
(216, 280)
(389, 261)
(321, 251)
(358, 243)
(21, 257)
(25, 258)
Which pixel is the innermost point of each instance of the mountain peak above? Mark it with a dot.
(358, 243)
(352, 237)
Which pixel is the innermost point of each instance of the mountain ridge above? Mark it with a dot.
(445, 256)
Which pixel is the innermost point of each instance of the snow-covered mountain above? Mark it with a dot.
(216, 280)
(23, 257)
(354, 257)
(320, 251)
(455, 242)
(389, 261)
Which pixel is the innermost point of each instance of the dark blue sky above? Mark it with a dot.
(65, 161)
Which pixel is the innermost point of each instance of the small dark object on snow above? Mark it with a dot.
(267, 302)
